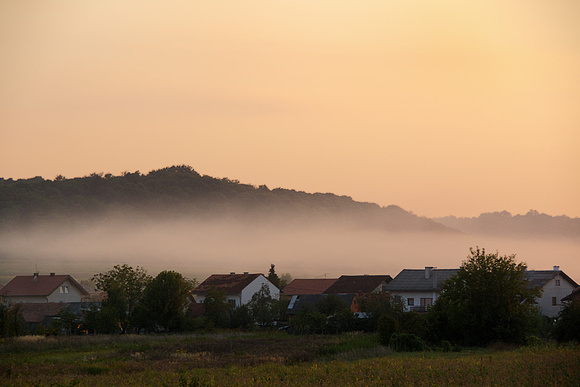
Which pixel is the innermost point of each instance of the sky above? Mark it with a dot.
(444, 108)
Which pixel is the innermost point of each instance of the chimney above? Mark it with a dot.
(35, 277)
(232, 272)
(556, 268)
(52, 274)
(246, 272)
(428, 271)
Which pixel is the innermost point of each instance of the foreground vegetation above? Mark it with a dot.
(271, 359)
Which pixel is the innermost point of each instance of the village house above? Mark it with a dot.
(418, 288)
(42, 298)
(38, 288)
(239, 288)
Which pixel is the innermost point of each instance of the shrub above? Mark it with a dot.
(386, 326)
(406, 343)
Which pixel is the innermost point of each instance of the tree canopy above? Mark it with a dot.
(489, 299)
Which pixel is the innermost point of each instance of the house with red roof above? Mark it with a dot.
(239, 288)
(38, 288)
(300, 287)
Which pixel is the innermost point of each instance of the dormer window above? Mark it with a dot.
(63, 289)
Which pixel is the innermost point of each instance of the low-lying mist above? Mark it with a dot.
(197, 248)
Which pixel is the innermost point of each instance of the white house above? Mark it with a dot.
(43, 289)
(555, 285)
(419, 288)
(239, 288)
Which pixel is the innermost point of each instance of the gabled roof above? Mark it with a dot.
(299, 302)
(539, 278)
(413, 280)
(37, 285)
(230, 283)
(308, 286)
(575, 294)
(353, 284)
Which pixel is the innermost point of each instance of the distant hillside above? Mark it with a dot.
(532, 224)
(181, 191)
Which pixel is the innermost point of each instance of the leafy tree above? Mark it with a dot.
(217, 309)
(124, 286)
(241, 317)
(487, 300)
(165, 300)
(262, 306)
(568, 323)
(376, 305)
(11, 321)
(273, 277)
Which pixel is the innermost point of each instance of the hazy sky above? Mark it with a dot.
(442, 107)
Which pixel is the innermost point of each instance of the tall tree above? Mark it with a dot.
(273, 277)
(124, 285)
(165, 299)
(568, 323)
(262, 306)
(216, 306)
(489, 299)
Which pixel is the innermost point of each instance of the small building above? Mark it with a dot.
(359, 284)
(419, 288)
(308, 286)
(239, 288)
(555, 285)
(38, 288)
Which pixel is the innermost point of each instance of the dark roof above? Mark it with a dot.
(539, 278)
(575, 294)
(353, 284)
(230, 283)
(414, 280)
(37, 285)
(299, 302)
(308, 286)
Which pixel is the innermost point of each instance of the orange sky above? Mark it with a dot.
(447, 107)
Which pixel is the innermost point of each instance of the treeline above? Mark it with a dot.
(180, 189)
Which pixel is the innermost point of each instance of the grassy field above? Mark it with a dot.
(270, 359)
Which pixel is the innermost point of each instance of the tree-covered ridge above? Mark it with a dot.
(504, 223)
(180, 189)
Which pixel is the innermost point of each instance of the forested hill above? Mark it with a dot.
(532, 224)
(181, 191)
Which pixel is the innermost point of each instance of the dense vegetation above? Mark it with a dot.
(181, 190)
(270, 359)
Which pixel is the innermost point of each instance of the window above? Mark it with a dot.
(557, 282)
(232, 303)
(410, 301)
(554, 302)
(62, 289)
(426, 302)
(66, 289)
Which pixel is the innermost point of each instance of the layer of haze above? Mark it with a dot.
(197, 249)
(445, 107)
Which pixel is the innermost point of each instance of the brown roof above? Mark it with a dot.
(230, 283)
(36, 312)
(308, 286)
(37, 285)
(353, 284)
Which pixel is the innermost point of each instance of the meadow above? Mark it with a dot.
(238, 359)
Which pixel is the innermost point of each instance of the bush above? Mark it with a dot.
(406, 343)
(446, 346)
(386, 326)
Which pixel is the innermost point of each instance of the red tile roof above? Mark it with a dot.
(37, 285)
(36, 312)
(308, 286)
(230, 283)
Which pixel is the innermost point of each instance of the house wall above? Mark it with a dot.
(73, 295)
(416, 297)
(551, 290)
(255, 286)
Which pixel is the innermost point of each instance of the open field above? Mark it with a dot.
(270, 359)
